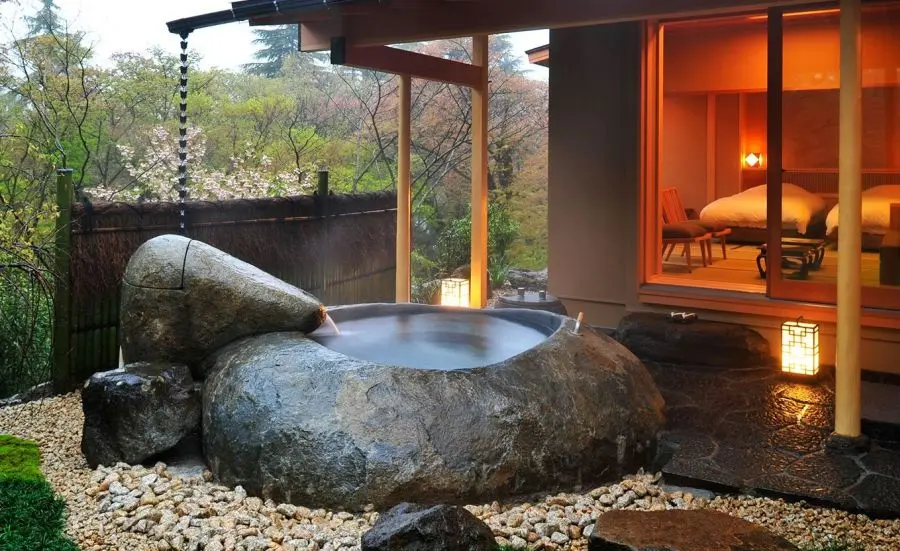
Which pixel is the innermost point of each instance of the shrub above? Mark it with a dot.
(26, 328)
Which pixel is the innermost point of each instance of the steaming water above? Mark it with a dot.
(442, 341)
(332, 325)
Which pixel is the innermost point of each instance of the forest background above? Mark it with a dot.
(261, 131)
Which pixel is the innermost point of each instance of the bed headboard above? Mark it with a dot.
(821, 181)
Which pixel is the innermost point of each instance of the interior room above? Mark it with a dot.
(713, 164)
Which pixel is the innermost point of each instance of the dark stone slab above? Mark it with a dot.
(799, 439)
(136, 412)
(780, 485)
(826, 469)
(414, 527)
(771, 437)
(701, 472)
(878, 494)
(690, 444)
(882, 461)
(681, 530)
(750, 462)
(653, 337)
(806, 394)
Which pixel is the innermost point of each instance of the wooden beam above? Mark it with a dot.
(847, 384)
(455, 19)
(404, 192)
(403, 62)
(478, 282)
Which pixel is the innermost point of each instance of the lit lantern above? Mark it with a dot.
(753, 160)
(800, 348)
(455, 292)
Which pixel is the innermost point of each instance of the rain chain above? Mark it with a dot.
(182, 136)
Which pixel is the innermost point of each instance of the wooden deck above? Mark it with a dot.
(740, 267)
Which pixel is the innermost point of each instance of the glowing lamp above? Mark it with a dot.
(800, 348)
(454, 292)
(753, 160)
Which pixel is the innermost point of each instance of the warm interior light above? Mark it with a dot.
(454, 292)
(798, 13)
(753, 160)
(800, 347)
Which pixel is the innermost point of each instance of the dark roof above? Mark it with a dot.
(247, 9)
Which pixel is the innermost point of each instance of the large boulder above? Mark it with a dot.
(681, 530)
(654, 337)
(415, 527)
(292, 420)
(183, 299)
(136, 412)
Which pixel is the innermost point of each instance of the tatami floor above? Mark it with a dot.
(740, 266)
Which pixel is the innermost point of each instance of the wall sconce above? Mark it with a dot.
(800, 348)
(753, 160)
(455, 292)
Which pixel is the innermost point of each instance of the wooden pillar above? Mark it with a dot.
(847, 360)
(478, 284)
(404, 193)
(62, 299)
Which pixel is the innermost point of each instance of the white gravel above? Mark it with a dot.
(137, 508)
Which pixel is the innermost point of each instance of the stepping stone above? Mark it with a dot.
(681, 530)
(654, 337)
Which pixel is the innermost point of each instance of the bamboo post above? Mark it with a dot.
(847, 412)
(62, 300)
(478, 285)
(322, 192)
(404, 193)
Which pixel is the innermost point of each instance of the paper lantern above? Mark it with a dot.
(455, 292)
(800, 348)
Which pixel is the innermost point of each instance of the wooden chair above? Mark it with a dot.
(675, 213)
(685, 234)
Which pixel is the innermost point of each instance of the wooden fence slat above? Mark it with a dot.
(344, 258)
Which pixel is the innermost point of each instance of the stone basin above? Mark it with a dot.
(426, 404)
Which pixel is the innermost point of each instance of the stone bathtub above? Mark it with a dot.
(408, 403)
(427, 404)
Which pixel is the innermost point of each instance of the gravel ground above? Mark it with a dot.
(138, 508)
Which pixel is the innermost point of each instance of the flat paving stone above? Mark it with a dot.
(882, 461)
(799, 439)
(878, 494)
(827, 469)
(750, 429)
(681, 530)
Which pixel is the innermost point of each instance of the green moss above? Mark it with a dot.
(19, 459)
(32, 517)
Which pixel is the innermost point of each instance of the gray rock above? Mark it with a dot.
(415, 527)
(182, 299)
(292, 420)
(531, 281)
(37, 392)
(136, 412)
(681, 530)
(653, 337)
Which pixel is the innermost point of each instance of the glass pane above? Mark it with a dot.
(810, 137)
(880, 58)
(711, 69)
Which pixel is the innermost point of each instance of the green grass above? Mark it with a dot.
(32, 517)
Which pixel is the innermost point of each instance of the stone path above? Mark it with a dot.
(753, 431)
